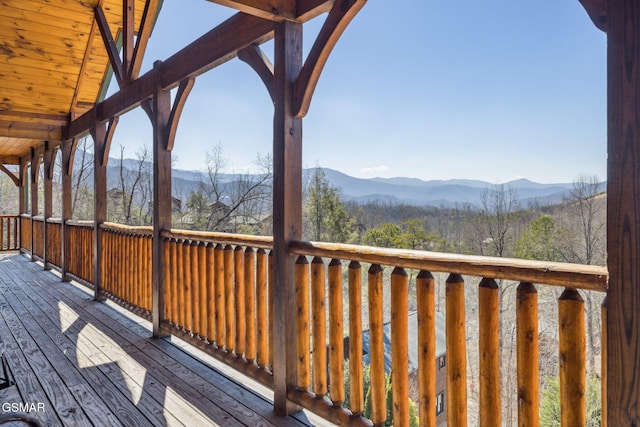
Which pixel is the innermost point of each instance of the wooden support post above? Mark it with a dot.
(35, 169)
(49, 157)
(67, 168)
(161, 194)
(100, 137)
(22, 202)
(287, 207)
(623, 214)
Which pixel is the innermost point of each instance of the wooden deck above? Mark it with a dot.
(78, 362)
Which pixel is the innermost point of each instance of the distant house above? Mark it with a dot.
(441, 350)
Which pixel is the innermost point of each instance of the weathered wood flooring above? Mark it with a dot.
(84, 363)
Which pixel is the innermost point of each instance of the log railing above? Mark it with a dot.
(217, 294)
(9, 233)
(38, 236)
(319, 286)
(54, 242)
(126, 265)
(81, 250)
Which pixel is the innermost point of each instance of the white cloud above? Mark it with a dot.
(375, 169)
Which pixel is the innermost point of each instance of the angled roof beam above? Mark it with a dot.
(128, 30)
(214, 48)
(149, 16)
(274, 10)
(279, 10)
(110, 45)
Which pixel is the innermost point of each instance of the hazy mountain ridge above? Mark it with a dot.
(412, 191)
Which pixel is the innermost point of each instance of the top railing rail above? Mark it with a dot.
(587, 277)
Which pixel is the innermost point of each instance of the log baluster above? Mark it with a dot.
(425, 295)
(194, 300)
(489, 352)
(239, 294)
(211, 301)
(187, 268)
(203, 267)
(168, 291)
(527, 356)
(376, 347)
(302, 321)
(336, 334)
(229, 303)
(220, 297)
(180, 283)
(319, 327)
(572, 358)
(262, 328)
(456, 352)
(250, 303)
(356, 385)
(400, 345)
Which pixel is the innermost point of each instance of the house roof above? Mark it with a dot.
(441, 343)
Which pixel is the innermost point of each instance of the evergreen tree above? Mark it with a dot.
(326, 216)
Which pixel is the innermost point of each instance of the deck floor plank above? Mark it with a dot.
(168, 359)
(78, 378)
(97, 365)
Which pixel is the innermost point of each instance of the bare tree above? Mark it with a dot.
(82, 203)
(134, 187)
(497, 216)
(585, 244)
(235, 201)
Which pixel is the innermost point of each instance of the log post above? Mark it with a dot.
(49, 158)
(67, 168)
(35, 174)
(623, 213)
(161, 194)
(100, 136)
(287, 207)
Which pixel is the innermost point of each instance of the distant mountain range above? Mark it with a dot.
(412, 191)
(445, 193)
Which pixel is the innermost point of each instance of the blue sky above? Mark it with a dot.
(494, 90)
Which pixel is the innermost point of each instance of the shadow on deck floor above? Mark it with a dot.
(77, 362)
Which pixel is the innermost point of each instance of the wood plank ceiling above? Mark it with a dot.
(53, 63)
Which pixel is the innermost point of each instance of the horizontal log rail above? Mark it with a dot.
(320, 384)
(9, 233)
(587, 277)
